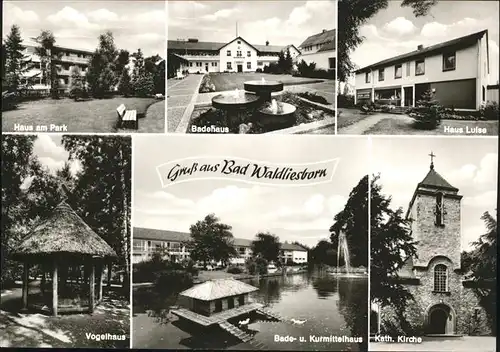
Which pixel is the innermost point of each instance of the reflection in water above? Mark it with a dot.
(325, 287)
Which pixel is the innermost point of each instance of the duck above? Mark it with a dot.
(298, 322)
(244, 322)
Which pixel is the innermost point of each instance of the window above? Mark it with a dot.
(398, 71)
(229, 53)
(419, 67)
(439, 209)
(381, 74)
(138, 246)
(238, 53)
(367, 77)
(229, 66)
(190, 64)
(66, 81)
(249, 65)
(249, 53)
(331, 63)
(484, 94)
(260, 63)
(440, 278)
(449, 61)
(239, 41)
(407, 69)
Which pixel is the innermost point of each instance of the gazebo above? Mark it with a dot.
(62, 241)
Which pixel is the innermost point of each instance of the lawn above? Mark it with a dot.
(98, 115)
(390, 126)
(348, 117)
(230, 81)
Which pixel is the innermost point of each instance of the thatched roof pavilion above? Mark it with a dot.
(64, 239)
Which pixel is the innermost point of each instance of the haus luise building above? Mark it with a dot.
(445, 303)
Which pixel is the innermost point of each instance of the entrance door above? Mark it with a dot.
(230, 302)
(218, 306)
(206, 67)
(240, 68)
(408, 96)
(438, 320)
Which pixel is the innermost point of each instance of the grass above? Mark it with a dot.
(390, 126)
(348, 117)
(231, 81)
(98, 115)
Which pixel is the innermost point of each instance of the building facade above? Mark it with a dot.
(238, 55)
(455, 71)
(320, 48)
(445, 303)
(148, 241)
(64, 58)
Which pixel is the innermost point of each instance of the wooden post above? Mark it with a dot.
(99, 283)
(25, 285)
(54, 290)
(110, 265)
(92, 288)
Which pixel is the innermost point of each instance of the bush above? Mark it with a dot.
(314, 97)
(234, 270)
(173, 281)
(125, 85)
(256, 266)
(9, 100)
(489, 111)
(428, 112)
(206, 85)
(345, 101)
(259, 70)
(144, 85)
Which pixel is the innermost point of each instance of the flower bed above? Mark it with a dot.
(212, 121)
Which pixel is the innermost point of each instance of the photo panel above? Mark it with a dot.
(433, 240)
(66, 237)
(84, 66)
(418, 68)
(250, 243)
(251, 67)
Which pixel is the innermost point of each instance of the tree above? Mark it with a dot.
(47, 51)
(427, 112)
(14, 59)
(281, 67)
(122, 60)
(142, 81)
(391, 245)
(267, 246)
(125, 85)
(102, 76)
(288, 61)
(324, 253)
(352, 14)
(210, 241)
(76, 83)
(155, 66)
(353, 221)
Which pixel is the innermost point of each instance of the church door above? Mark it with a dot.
(440, 320)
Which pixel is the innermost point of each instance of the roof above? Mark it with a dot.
(216, 46)
(319, 38)
(435, 180)
(242, 242)
(327, 47)
(63, 232)
(292, 247)
(460, 42)
(219, 288)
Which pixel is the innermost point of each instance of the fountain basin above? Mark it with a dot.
(236, 101)
(263, 88)
(284, 116)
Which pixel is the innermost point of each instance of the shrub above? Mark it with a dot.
(428, 112)
(489, 111)
(234, 270)
(125, 85)
(144, 85)
(345, 101)
(256, 266)
(314, 97)
(77, 84)
(9, 100)
(206, 85)
(259, 70)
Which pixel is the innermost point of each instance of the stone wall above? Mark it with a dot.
(473, 318)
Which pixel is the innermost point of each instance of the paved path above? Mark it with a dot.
(181, 95)
(362, 126)
(462, 344)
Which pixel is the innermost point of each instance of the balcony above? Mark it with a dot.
(74, 60)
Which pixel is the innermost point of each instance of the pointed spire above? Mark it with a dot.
(432, 155)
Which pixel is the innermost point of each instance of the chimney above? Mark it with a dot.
(324, 30)
(267, 42)
(420, 47)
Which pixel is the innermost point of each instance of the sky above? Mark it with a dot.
(51, 153)
(77, 24)
(279, 22)
(300, 213)
(395, 30)
(404, 162)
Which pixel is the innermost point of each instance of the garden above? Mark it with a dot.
(89, 102)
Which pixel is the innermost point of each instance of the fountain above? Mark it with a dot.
(344, 250)
(263, 88)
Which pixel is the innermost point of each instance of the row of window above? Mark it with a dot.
(239, 53)
(230, 65)
(449, 64)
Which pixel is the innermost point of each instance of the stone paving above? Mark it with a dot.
(180, 94)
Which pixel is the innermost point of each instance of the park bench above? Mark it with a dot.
(128, 118)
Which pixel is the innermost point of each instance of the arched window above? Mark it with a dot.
(440, 278)
(439, 209)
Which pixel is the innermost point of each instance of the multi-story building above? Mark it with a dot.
(456, 72)
(320, 48)
(238, 55)
(173, 244)
(64, 58)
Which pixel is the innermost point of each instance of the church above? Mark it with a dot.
(445, 302)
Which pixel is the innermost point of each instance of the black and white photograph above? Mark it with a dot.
(433, 244)
(83, 66)
(418, 68)
(251, 67)
(65, 237)
(245, 244)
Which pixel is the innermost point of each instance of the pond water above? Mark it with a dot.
(331, 307)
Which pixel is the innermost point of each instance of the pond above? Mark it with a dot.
(332, 307)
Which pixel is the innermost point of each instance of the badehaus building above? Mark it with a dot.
(455, 71)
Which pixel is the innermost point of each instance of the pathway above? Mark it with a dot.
(181, 96)
(362, 126)
(462, 344)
